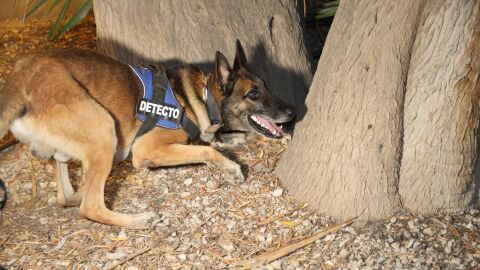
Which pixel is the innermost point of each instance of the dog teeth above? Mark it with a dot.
(254, 118)
(272, 131)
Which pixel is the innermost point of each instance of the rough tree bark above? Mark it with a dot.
(351, 133)
(393, 107)
(441, 109)
(191, 31)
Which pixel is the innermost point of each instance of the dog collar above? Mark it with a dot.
(212, 109)
(159, 107)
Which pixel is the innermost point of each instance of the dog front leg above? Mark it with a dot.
(179, 154)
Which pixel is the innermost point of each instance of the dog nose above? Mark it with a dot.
(291, 113)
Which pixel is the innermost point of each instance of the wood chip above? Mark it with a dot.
(282, 251)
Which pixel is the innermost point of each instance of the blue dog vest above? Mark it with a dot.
(159, 107)
(166, 108)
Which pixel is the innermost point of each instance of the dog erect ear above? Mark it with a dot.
(222, 69)
(240, 59)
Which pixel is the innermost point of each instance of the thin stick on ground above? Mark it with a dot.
(129, 258)
(34, 183)
(277, 217)
(8, 144)
(272, 255)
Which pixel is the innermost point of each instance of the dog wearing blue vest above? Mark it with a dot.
(78, 104)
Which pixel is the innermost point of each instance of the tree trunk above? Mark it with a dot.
(441, 109)
(191, 31)
(348, 156)
(344, 157)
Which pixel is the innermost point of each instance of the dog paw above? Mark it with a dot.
(141, 163)
(68, 202)
(233, 173)
(207, 137)
(142, 220)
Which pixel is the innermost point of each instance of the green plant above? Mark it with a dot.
(78, 14)
(328, 10)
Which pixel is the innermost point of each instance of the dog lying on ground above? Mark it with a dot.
(79, 104)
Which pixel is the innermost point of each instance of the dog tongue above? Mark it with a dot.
(270, 125)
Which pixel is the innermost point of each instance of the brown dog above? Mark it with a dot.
(77, 104)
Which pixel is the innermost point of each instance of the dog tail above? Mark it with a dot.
(12, 102)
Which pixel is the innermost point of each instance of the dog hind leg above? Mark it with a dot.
(66, 196)
(96, 154)
(97, 166)
(80, 128)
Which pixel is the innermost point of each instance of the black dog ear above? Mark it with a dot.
(222, 68)
(240, 59)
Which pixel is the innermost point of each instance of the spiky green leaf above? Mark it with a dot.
(326, 13)
(53, 6)
(54, 29)
(35, 8)
(77, 17)
(331, 3)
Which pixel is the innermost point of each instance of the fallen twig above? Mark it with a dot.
(273, 218)
(113, 266)
(272, 255)
(34, 183)
(8, 144)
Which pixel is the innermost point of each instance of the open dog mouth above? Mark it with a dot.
(264, 126)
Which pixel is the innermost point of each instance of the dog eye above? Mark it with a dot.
(254, 94)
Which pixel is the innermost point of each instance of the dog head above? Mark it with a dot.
(247, 104)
